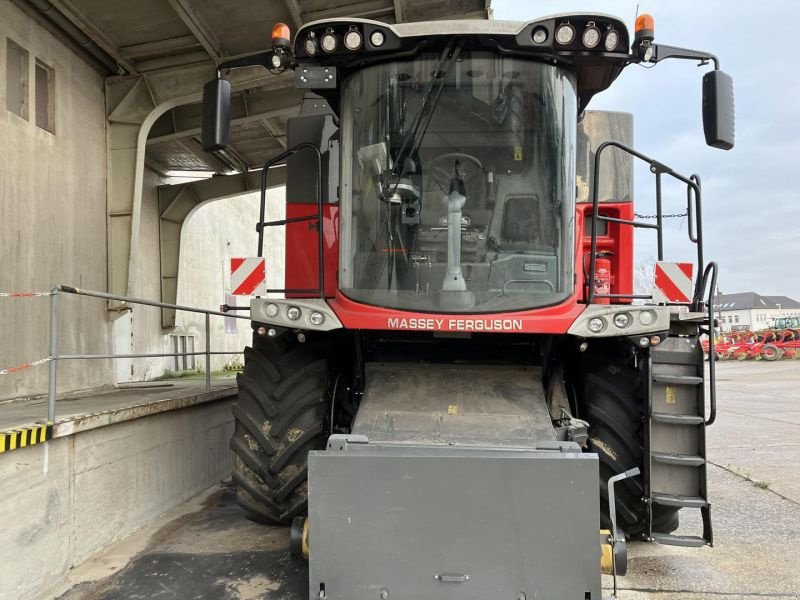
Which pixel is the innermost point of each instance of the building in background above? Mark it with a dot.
(749, 310)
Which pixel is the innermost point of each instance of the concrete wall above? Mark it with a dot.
(60, 505)
(52, 213)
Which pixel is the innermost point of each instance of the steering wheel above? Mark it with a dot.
(441, 169)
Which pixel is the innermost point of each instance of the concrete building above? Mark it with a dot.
(749, 310)
(98, 110)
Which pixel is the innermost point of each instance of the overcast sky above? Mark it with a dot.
(750, 194)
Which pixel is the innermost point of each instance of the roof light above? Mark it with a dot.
(539, 35)
(281, 35)
(377, 38)
(352, 39)
(565, 34)
(328, 41)
(310, 45)
(645, 27)
(612, 40)
(591, 35)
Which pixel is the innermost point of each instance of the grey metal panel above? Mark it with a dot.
(454, 404)
(502, 521)
(616, 167)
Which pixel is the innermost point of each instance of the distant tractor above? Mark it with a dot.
(457, 385)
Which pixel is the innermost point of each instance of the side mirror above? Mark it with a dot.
(718, 110)
(216, 115)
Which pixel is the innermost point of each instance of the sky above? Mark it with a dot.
(751, 202)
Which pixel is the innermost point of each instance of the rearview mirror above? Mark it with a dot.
(216, 115)
(718, 110)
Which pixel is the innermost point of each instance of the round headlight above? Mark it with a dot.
(540, 35)
(311, 46)
(591, 36)
(622, 320)
(271, 310)
(316, 318)
(377, 39)
(565, 34)
(293, 313)
(647, 317)
(276, 61)
(596, 324)
(612, 40)
(352, 39)
(328, 42)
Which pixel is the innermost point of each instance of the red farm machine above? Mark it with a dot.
(457, 393)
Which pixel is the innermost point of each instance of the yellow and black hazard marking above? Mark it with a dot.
(26, 436)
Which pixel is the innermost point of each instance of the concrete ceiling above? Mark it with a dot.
(174, 46)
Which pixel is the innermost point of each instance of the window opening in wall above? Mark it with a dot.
(45, 97)
(16, 79)
(183, 344)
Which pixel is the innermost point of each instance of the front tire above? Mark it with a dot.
(280, 416)
(613, 404)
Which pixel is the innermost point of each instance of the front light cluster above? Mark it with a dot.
(621, 321)
(295, 313)
(329, 41)
(590, 38)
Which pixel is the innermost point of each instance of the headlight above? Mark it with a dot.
(540, 35)
(591, 36)
(565, 34)
(596, 324)
(311, 47)
(271, 310)
(612, 41)
(352, 39)
(316, 318)
(622, 320)
(293, 313)
(377, 39)
(328, 42)
(647, 317)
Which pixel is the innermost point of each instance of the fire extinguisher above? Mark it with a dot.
(602, 277)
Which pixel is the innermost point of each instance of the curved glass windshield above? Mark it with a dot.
(458, 184)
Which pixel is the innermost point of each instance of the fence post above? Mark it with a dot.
(208, 352)
(51, 391)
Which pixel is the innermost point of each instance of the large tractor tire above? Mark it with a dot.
(279, 417)
(614, 408)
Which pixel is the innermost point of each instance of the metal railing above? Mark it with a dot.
(55, 356)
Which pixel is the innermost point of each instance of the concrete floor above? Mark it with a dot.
(210, 551)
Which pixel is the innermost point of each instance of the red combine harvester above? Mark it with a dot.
(457, 384)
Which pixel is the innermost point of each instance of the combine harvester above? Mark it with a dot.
(455, 385)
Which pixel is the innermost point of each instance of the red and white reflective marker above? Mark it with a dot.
(672, 282)
(248, 277)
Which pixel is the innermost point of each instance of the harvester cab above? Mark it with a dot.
(456, 389)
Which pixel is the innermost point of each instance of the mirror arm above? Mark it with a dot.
(260, 59)
(659, 52)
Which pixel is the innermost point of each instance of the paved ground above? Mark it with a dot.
(211, 552)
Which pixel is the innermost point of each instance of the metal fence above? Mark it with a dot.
(55, 357)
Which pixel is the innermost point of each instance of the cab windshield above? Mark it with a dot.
(458, 183)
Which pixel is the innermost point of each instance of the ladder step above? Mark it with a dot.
(687, 541)
(678, 459)
(678, 379)
(677, 419)
(681, 501)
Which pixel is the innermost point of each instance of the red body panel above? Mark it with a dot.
(618, 241)
(552, 319)
(302, 260)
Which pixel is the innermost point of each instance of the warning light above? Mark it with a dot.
(281, 35)
(645, 27)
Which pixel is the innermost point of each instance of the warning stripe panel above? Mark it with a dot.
(24, 437)
(673, 282)
(248, 276)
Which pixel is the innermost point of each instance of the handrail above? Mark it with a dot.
(711, 270)
(55, 356)
(319, 217)
(658, 169)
